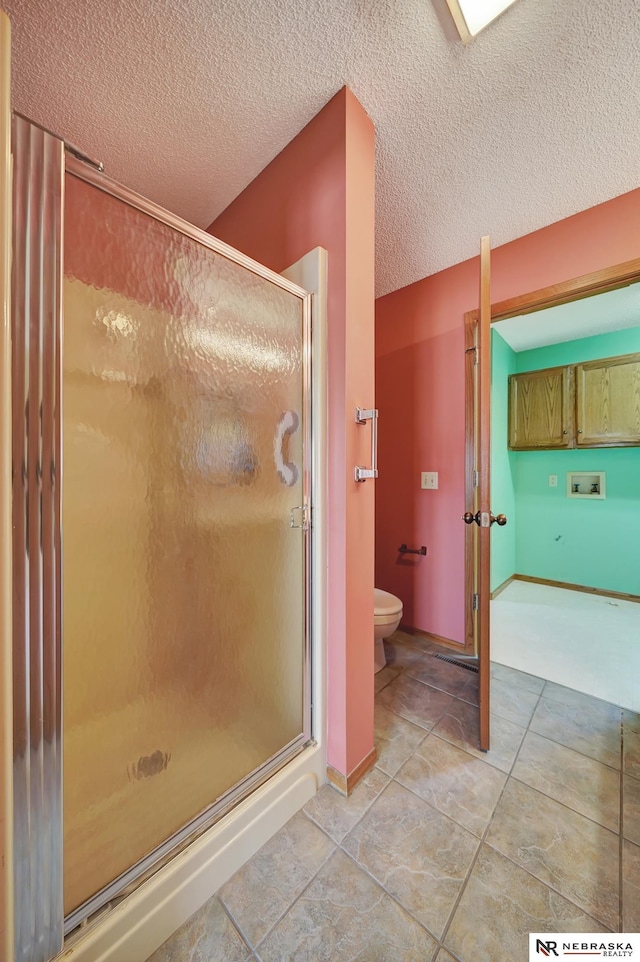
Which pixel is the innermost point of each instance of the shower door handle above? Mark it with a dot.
(305, 522)
(362, 416)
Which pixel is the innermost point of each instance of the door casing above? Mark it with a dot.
(586, 285)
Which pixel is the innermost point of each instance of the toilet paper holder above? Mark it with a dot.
(404, 550)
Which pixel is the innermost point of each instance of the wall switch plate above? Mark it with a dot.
(553, 480)
(429, 480)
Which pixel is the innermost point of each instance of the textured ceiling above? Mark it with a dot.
(612, 311)
(187, 100)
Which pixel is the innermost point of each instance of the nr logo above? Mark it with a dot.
(546, 948)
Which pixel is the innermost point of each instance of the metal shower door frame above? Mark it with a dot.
(38, 542)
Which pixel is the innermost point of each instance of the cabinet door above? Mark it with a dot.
(608, 409)
(540, 409)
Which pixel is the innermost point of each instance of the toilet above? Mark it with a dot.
(387, 613)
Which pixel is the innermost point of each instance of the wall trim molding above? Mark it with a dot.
(500, 588)
(568, 586)
(345, 784)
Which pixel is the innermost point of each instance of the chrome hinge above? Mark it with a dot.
(476, 602)
(305, 523)
(476, 479)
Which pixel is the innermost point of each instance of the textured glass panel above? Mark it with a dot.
(184, 614)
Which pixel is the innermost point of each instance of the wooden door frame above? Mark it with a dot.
(597, 282)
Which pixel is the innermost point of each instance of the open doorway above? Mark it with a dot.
(565, 572)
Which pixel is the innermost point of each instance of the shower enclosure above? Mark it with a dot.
(162, 486)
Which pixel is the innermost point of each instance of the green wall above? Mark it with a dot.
(594, 543)
(582, 349)
(503, 540)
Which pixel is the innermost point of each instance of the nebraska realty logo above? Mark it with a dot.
(551, 945)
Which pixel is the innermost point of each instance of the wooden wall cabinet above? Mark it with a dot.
(608, 402)
(591, 405)
(541, 409)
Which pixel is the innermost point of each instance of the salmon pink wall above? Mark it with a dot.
(320, 192)
(420, 396)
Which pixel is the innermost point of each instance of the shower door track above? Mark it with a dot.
(151, 863)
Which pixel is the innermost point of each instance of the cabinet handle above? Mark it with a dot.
(579, 430)
(565, 431)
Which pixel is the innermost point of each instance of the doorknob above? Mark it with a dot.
(486, 520)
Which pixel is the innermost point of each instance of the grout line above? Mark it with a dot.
(564, 805)
(345, 798)
(475, 858)
(236, 926)
(393, 897)
(483, 841)
(509, 775)
(571, 748)
(254, 947)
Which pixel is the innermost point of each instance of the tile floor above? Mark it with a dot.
(442, 852)
(558, 634)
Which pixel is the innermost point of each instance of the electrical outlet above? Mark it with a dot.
(553, 480)
(429, 480)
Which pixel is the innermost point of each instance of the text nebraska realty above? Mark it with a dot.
(606, 949)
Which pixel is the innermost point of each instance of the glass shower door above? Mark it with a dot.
(185, 448)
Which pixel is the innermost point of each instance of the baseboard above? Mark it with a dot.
(568, 586)
(133, 930)
(430, 636)
(500, 588)
(345, 784)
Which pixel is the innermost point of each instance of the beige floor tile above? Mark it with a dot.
(470, 691)
(500, 905)
(582, 783)
(440, 674)
(385, 676)
(415, 852)
(443, 956)
(342, 916)
(418, 703)
(592, 729)
(518, 678)
(631, 808)
(515, 704)
(578, 699)
(630, 721)
(396, 739)
(460, 726)
(632, 753)
(264, 888)
(455, 782)
(208, 936)
(562, 848)
(336, 814)
(630, 887)
(400, 654)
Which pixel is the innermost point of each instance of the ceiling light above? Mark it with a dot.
(471, 16)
